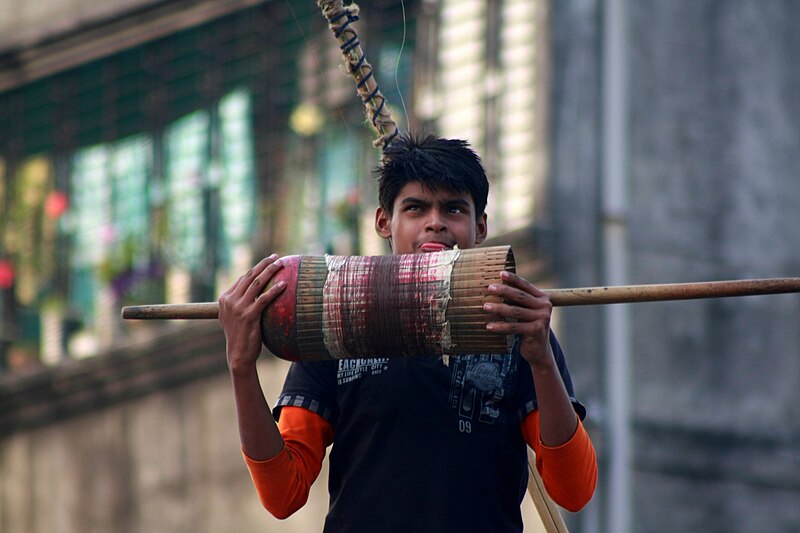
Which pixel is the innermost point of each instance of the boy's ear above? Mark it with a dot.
(481, 229)
(383, 223)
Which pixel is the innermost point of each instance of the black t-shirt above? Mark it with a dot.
(423, 446)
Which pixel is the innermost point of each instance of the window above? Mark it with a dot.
(129, 179)
(491, 60)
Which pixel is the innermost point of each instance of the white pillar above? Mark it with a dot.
(615, 244)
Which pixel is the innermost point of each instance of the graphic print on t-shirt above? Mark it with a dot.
(479, 383)
(353, 369)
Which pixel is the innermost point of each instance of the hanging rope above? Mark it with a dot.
(340, 21)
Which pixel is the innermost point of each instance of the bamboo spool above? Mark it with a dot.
(386, 306)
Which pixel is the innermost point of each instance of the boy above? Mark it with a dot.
(421, 444)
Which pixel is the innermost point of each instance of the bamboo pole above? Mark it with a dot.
(558, 297)
(672, 291)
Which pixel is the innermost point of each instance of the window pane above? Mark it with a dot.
(187, 158)
(237, 187)
(91, 204)
(130, 164)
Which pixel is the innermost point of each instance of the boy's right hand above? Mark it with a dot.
(240, 310)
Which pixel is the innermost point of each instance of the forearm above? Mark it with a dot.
(556, 414)
(258, 432)
(240, 311)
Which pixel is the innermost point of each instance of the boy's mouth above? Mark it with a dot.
(433, 247)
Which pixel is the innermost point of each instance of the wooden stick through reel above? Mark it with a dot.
(558, 297)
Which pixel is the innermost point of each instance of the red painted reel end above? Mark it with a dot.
(278, 323)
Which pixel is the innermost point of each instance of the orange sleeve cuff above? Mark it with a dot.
(283, 482)
(569, 471)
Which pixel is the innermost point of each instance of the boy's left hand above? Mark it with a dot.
(531, 308)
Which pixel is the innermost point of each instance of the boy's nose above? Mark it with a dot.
(436, 221)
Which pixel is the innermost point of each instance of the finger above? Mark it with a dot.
(269, 295)
(514, 280)
(244, 282)
(532, 323)
(519, 290)
(231, 289)
(504, 328)
(514, 312)
(235, 285)
(249, 307)
(516, 296)
(260, 282)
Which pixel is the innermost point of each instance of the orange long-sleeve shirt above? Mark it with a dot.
(569, 471)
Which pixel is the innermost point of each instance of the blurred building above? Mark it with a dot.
(144, 152)
(151, 151)
(674, 134)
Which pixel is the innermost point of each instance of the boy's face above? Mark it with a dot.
(426, 221)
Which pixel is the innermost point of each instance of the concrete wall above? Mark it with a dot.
(714, 193)
(164, 460)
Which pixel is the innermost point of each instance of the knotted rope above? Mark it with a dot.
(340, 21)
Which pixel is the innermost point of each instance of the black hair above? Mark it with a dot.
(435, 163)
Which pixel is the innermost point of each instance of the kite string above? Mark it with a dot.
(397, 64)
